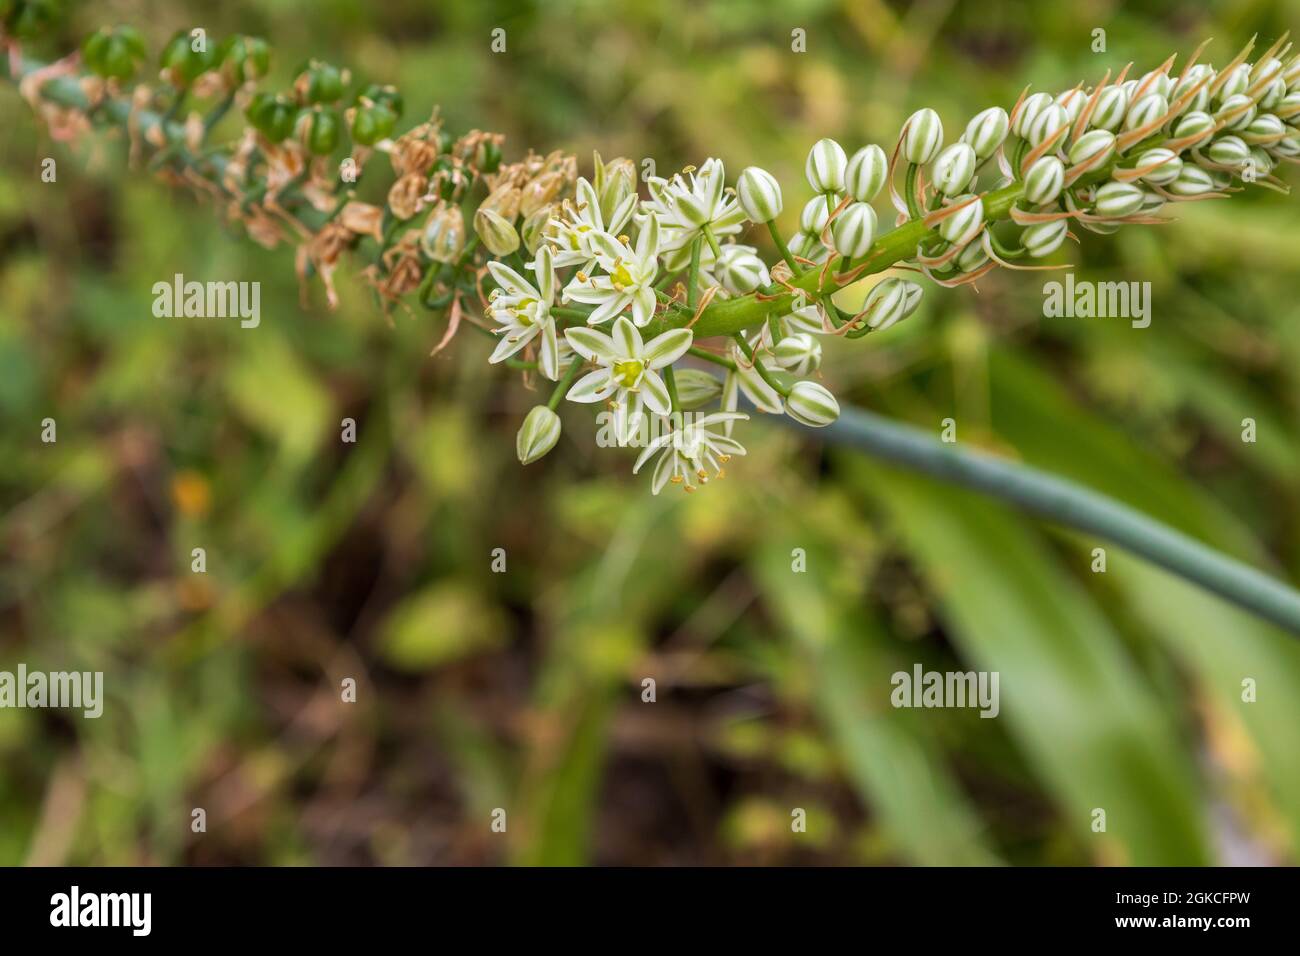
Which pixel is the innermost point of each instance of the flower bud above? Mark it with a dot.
(1229, 151)
(890, 302)
(1045, 180)
(1145, 111)
(972, 257)
(1152, 201)
(1111, 108)
(1044, 238)
(1156, 82)
(811, 404)
(1289, 108)
(1073, 102)
(1291, 73)
(1236, 84)
(954, 169)
(813, 218)
(496, 233)
(866, 174)
(924, 137)
(1029, 110)
(696, 387)
(1189, 82)
(740, 270)
(963, 225)
(1093, 147)
(759, 194)
(533, 230)
(825, 166)
(799, 354)
(443, 236)
(986, 132)
(1116, 200)
(615, 181)
(808, 318)
(807, 245)
(854, 230)
(1167, 165)
(1198, 124)
(1262, 160)
(1050, 126)
(1191, 181)
(1274, 93)
(537, 435)
(1288, 148)
(1238, 111)
(1265, 128)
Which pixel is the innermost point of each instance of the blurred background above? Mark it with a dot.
(523, 690)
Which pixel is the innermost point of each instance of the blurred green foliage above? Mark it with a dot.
(523, 690)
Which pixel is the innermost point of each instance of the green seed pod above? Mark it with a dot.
(798, 354)
(1198, 124)
(1116, 200)
(1191, 181)
(1112, 107)
(537, 435)
(443, 236)
(243, 58)
(181, 63)
(954, 169)
(1229, 151)
(825, 166)
(114, 53)
(811, 404)
(1145, 111)
(924, 137)
(1095, 146)
(1050, 126)
(323, 129)
(854, 230)
(1045, 180)
(1029, 110)
(964, 225)
(987, 131)
(1170, 164)
(320, 83)
(1242, 106)
(868, 168)
(272, 115)
(488, 156)
(890, 302)
(696, 388)
(1044, 238)
(813, 218)
(759, 194)
(372, 124)
(389, 96)
(496, 233)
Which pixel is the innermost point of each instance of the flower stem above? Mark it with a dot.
(782, 247)
(561, 387)
(763, 373)
(716, 359)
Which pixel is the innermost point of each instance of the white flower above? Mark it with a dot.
(629, 280)
(685, 208)
(627, 366)
(746, 380)
(572, 236)
(523, 312)
(687, 454)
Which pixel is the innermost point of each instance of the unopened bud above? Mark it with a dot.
(537, 435)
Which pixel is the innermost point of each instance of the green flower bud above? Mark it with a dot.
(1289, 107)
(1288, 148)
(866, 173)
(537, 435)
(964, 225)
(1265, 128)
(1198, 124)
(1191, 181)
(1051, 125)
(1147, 110)
(954, 169)
(495, 232)
(1116, 200)
(1152, 201)
(696, 388)
(615, 181)
(807, 245)
(1201, 99)
(809, 318)
(1262, 160)
(443, 236)
(924, 137)
(891, 301)
(533, 230)
(987, 131)
(1111, 108)
(813, 218)
(740, 270)
(1029, 110)
(1044, 238)
(1236, 84)
(1159, 83)
(1229, 151)
(1095, 146)
(759, 194)
(1170, 165)
(1045, 180)
(1073, 102)
(972, 257)
(854, 230)
(1231, 105)
(799, 354)
(811, 404)
(825, 166)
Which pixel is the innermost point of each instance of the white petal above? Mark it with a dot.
(592, 387)
(511, 343)
(663, 471)
(667, 348)
(511, 281)
(627, 340)
(548, 360)
(655, 393)
(643, 306)
(591, 345)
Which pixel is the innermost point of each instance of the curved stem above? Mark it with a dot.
(1064, 502)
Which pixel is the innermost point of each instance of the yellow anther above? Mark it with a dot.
(724, 458)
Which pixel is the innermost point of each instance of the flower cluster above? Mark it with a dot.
(660, 306)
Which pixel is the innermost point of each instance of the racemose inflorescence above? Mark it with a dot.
(651, 300)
